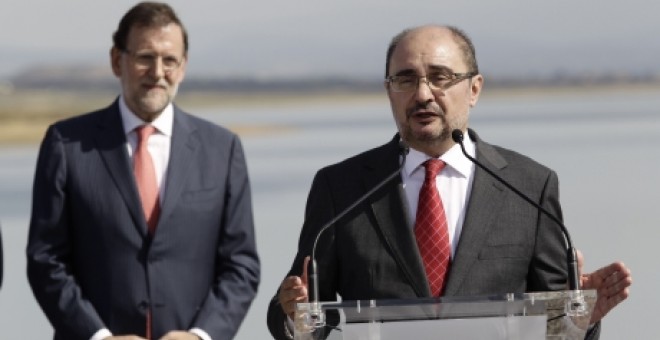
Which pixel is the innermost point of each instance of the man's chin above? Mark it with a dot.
(151, 104)
(425, 138)
(427, 135)
(150, 112)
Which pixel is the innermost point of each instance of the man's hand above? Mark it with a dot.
(179, 335)
(293, 290)
(611, 283)
(173, 335)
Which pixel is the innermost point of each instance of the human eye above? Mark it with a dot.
(145, 59)
(405, 80)
(170, 61)
(438, 79)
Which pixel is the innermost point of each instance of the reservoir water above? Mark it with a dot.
(603, 144)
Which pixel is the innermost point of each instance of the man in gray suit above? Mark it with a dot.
(497, 243)
(104, 263)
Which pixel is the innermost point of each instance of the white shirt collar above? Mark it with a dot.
(163, 123)
(454, 159)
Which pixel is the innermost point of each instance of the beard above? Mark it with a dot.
(429, 136)
(150, 104)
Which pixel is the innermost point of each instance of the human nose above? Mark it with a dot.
(425, 81)
(423, 93)
(157, 68)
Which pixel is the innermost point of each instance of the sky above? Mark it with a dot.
(302, 38)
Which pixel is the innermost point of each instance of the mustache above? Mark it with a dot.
(162, 83)
(430, 106)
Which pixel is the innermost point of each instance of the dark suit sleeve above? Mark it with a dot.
(49, 250)
(319, 210)
(547, 271)
(548, 268)
(238, 267)
(593, 333)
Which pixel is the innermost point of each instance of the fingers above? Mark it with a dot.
(612, 283)
(613, 268)
(179, 335)
(612, 278)
(293, 290)
(617, 280)
(304, 270)
(598, 279)
(580, 261)
(614, 291)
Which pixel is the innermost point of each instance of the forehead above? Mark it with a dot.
(426, 49)
(169, 36)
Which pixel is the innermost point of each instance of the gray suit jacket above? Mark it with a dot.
(506, 245)
(91, 263)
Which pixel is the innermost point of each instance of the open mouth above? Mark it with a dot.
(424, 116)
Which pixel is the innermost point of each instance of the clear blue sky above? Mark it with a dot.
(319, 38)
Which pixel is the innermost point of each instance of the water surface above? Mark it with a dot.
(604, 146)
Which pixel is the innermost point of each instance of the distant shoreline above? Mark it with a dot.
(25, 114)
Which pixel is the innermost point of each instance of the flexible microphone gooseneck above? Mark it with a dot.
(317, 318)
(573, 282)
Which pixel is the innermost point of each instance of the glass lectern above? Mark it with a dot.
(529, 316)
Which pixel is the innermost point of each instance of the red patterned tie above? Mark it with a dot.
(145, 177)
(431, 229)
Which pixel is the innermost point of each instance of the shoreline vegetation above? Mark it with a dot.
(25, 114)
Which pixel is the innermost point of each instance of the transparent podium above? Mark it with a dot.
(529, 316)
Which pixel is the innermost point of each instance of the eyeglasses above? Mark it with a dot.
(436, 81)
(146, 60)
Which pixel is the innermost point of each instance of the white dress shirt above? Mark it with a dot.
(453, 182)
(159, 142)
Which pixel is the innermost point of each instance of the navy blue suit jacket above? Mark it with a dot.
(91, 263)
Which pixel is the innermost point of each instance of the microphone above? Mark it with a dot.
(317, 319)
(573, 277)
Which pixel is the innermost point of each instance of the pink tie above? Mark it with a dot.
(145, 177)
(431, 230)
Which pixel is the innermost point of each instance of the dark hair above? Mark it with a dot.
(147, 14)
(461, 38)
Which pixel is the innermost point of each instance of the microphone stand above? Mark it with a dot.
(316, 315)
(577, 305)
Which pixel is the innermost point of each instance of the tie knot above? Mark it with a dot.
(144, 131)
(433, 167)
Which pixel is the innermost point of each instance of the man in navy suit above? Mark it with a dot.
(98, 266)
(497, 242)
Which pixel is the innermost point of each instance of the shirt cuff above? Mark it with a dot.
(288, 328)
(101, 334)
(200, 333)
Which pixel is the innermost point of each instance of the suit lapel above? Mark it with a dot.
(111, 143)
(389, 209)
(486, 199)
(183, 149)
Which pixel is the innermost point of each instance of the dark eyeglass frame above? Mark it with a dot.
(146, 60)
(441, 83)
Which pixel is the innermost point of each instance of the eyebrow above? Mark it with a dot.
(432, 69)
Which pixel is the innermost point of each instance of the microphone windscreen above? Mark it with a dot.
(457, 136)
(403, 147)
